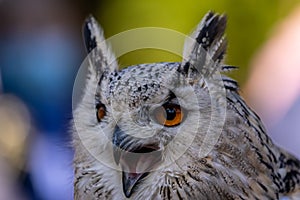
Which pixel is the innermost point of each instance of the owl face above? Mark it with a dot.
(146, 106)
(143, 118)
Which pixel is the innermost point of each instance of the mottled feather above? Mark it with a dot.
(244, 163)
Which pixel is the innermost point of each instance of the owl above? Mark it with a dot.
(173, 130)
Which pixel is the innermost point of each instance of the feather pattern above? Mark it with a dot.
(101, 57)
(243, 163)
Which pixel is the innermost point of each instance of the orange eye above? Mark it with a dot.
(101, 111)
(169, 115)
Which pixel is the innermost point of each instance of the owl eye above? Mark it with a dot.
(169, 115)
(101, 112)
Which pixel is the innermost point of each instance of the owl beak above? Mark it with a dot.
(136, 165)
(136, 162)
(117, 154)
(130, 180)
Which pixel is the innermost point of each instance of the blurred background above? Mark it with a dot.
(41, 50)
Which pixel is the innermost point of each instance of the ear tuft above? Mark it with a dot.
(211, 30)
(206, 47)
(100, 55)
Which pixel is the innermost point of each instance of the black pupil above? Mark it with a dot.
(171, 113)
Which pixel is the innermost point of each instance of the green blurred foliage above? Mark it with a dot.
(250, 23)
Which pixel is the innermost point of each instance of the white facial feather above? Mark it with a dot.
(218, 149)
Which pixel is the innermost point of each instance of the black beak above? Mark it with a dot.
(117, 138)
(130, 180)
(136, 163)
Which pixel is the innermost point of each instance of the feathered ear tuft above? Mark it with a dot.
(101, 58)
(206, 47)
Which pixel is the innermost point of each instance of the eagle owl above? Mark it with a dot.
(175, 130)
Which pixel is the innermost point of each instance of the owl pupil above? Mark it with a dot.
(168, 115)
(171, 113)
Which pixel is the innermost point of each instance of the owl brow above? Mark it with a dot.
(98, 103)
(100, 79)
(97, 95)
(171, 97)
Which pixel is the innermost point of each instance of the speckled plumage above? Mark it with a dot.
(243, 163)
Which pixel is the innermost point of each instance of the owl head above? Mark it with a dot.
(141, 119)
